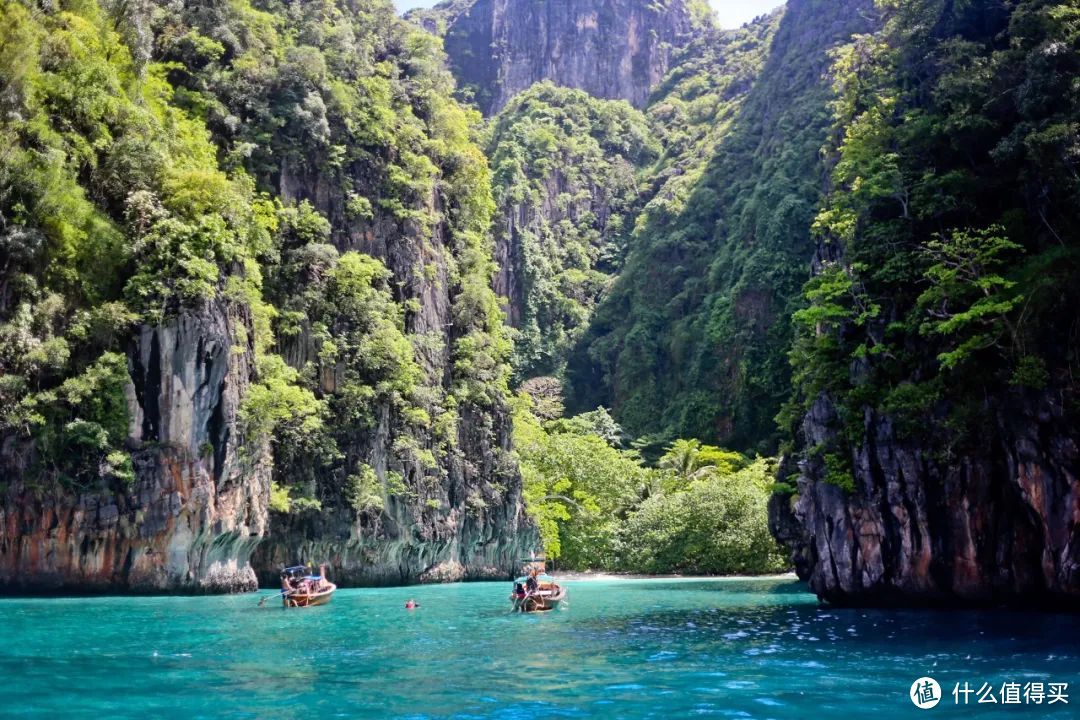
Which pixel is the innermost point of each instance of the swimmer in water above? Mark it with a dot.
(411, 604)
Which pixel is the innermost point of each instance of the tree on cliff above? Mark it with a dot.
(936, 365)
(954, 209)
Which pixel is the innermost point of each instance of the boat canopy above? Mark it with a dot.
(539, 578)
(301, 571)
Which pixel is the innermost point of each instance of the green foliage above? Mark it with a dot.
(180, 246)
(362, 360)
(279, 498)
(118, 465)
(545, 395)
(304, 504)
(598, 507)
(144, 155)
(357, 296)
(715, 526)
(834, 301)
(1030, 372)
(277, 400)
(689, 460)
(968, 300)
(364, 491)
(575, 486)
(597, 422)
(84, 102)
(954, 210)
(79, 428)
(838, 472)
(566, 169)
(691, 339)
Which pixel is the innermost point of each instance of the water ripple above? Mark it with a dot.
(730, 648)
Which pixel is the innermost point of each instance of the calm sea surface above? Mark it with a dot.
(620, 649)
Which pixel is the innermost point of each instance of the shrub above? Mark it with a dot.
(717, 526)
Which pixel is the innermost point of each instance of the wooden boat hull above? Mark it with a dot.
(310, 600)
(539, 603)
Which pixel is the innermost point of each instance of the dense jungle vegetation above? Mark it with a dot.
(699, 509)
(567, 171)
(612, 217)
(293, 169)
(577, 182)
(403, 277)
(947, 277)
(157, 163)
(691, 339)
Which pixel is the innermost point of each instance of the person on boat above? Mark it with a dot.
(531, 584)
(518, 596)
(288, 588)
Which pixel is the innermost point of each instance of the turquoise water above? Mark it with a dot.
(621, 649)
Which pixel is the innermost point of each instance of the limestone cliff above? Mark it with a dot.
(566, 179)
(245, 300)
(411, 478)
(936, 456)
(998, 527)
(473, 528)
(447, 502)
(614, 49)
(197, 506)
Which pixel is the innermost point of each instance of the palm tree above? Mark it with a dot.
(682, 458)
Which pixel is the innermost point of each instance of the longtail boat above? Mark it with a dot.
(536, 591)
(306, 590)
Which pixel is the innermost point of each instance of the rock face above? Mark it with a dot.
(460, 515)
(198, 505)
(613, 49)
(566, 179)
(476, 531)
(998, 527)
(410, 478)
(692, 338)
(930, 474)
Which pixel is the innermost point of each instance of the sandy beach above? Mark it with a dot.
(579, 576)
